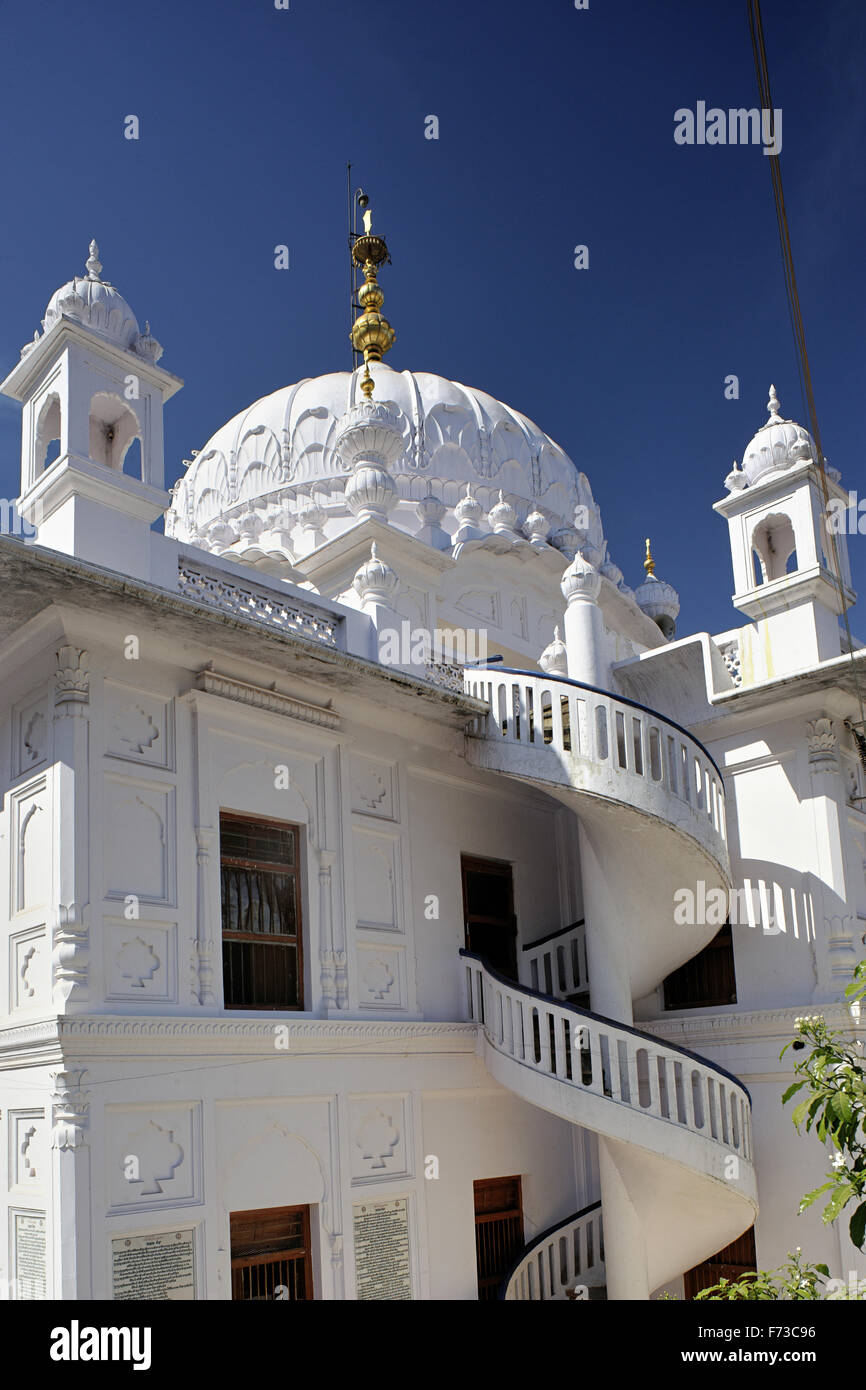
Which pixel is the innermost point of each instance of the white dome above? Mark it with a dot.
(660, 601)
(95, 303)
(777, 445)
(282, 451)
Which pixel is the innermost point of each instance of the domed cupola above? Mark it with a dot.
(554, 659)
(92, 469)
(779, 444)
(502, 517)
(375, 578)
(92, 301)
(792, 576)
(449, 466)
(659, 600)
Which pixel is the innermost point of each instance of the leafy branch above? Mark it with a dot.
(835, 1106)
(795, 1280)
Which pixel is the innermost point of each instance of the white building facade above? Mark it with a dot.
(342, 963)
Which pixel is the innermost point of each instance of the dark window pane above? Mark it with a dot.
(256, 900)
(488, 894)
(260, 915)
(707, 979)
(258, 842)
(260, 975)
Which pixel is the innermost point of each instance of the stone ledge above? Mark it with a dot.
(108, 1036)
(748, 1026)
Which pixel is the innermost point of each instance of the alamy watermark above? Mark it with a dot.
(737, 126)
(13, 524)
(713, 907)
(413, 646)
(847, 517)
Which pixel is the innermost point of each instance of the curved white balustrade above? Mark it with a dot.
(556, 965)
(686, 1123)
(559, 1260)
(599, 744)
(636, 1074)
(650, 803)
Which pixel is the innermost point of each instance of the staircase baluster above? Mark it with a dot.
(559, 1033)
(593, 1037)
(633, 1080)
(556, 721)
(509, 1027)
(655, 1091)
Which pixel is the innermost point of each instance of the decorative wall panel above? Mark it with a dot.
(28, 1152)
(153, 1156)
(374, 787)
(381, 977)
(29, 968)
(379, 1136)
(138, 726)
(140, 960)
(32, 733)
(139, 840)
(377, 879)
(31, 847)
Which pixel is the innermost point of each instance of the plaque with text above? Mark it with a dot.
(159, 1266)
(30, 1255)
(382, 1268)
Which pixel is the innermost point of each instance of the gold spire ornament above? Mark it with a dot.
(371, 334)
(649, 563)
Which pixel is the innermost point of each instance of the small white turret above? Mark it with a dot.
(554, 659)
(92, 468)
(787, 559)
(659, 600)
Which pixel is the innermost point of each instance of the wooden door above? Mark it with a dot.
(488, 912)
(498, 1232)
(708, 979)
(736, 1259)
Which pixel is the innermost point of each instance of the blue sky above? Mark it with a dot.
(555, 129)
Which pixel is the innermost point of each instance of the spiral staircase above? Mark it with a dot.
(675, 1145)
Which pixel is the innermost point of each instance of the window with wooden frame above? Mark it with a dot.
(498, 1231)
(271, 1254)
(708, 979)
(261, 913)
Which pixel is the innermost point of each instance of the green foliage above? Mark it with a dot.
(835, 1106)
(834, 1077)
(794, 1280)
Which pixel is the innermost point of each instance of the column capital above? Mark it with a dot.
(70, 1105)
(71, 681)
(823, 745)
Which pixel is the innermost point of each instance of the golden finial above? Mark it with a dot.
(372, 334)
(649, 563)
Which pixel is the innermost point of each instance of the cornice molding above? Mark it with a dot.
(260, 697)
(31, 1044)
(749, 1027)
(67, 1038)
